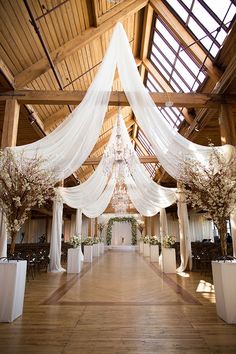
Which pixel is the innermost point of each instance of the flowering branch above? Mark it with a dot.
(23, 184)
(212, 188)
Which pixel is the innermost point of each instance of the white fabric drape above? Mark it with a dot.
(78, 229)
(170, 147)
(184, 233)
(233, 229)
(3, 235)
(68, 146)
(163, 223)
(200, 228)
(55, 244)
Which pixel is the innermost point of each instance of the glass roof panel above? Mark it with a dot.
(173, 61)
(208, 20)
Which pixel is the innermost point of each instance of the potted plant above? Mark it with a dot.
(212, 188)
(168, 263)
(154, 248)
(24, 183)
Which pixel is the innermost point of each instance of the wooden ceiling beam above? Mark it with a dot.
(185, 38)
(142, 159)
(64, 51)
(198, 100)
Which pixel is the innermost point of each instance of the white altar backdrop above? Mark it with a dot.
(119, 230)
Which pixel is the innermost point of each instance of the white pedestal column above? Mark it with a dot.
(88, 253)
(141, 247)
(12, 289)
(224, 279)
(168, 264)
(146, 250)
(96, 250)
(73, 260)
(154, 253)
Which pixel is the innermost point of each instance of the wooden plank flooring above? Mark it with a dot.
(121, 303)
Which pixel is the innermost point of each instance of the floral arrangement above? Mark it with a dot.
(96, 240)
(88, 241)
(24, 184)
(212, 188)
(75, 241)
(154, 240)
(168, 241)
(146, 239)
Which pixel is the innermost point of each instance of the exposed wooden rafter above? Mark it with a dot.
(142, 159)
(64, 51)
(198, 100)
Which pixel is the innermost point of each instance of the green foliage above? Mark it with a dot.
(130, 219)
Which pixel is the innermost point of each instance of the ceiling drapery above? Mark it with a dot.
(67, 147)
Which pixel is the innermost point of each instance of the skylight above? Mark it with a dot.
(172, 114)
(208, 20)
(175, 64)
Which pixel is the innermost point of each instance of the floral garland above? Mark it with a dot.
(130, 219)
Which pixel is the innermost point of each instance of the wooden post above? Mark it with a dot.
(10, 124)
(227, 128)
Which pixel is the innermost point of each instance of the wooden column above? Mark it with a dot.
(10, 124)
(89, 226)
(227, 127)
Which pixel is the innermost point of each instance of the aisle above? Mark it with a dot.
(119, 304)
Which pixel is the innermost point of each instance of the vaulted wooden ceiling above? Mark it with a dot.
(59, 45)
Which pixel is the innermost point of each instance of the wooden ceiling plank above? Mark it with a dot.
(42, 66)
(185, 38)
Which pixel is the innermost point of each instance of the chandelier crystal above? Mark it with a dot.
(118, 158)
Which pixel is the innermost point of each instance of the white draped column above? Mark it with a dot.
(233, 229)
(78, 229)
(55, 245)
(184, 234)
(163, 223)
(3, 236)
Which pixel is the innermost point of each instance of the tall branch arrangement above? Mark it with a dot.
(211, 188)
(24, 183)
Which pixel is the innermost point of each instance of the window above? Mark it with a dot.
(209, 21)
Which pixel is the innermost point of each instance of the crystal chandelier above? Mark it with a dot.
(118, 157)
(120, 199)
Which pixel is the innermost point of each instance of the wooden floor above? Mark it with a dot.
(121, 303)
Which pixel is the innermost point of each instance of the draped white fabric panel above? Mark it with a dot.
(163, 223)
(200, 228)
(170, 147)
(55, 244)
(68, 146)
(184, 234)
(78, 229)
(157, 195)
